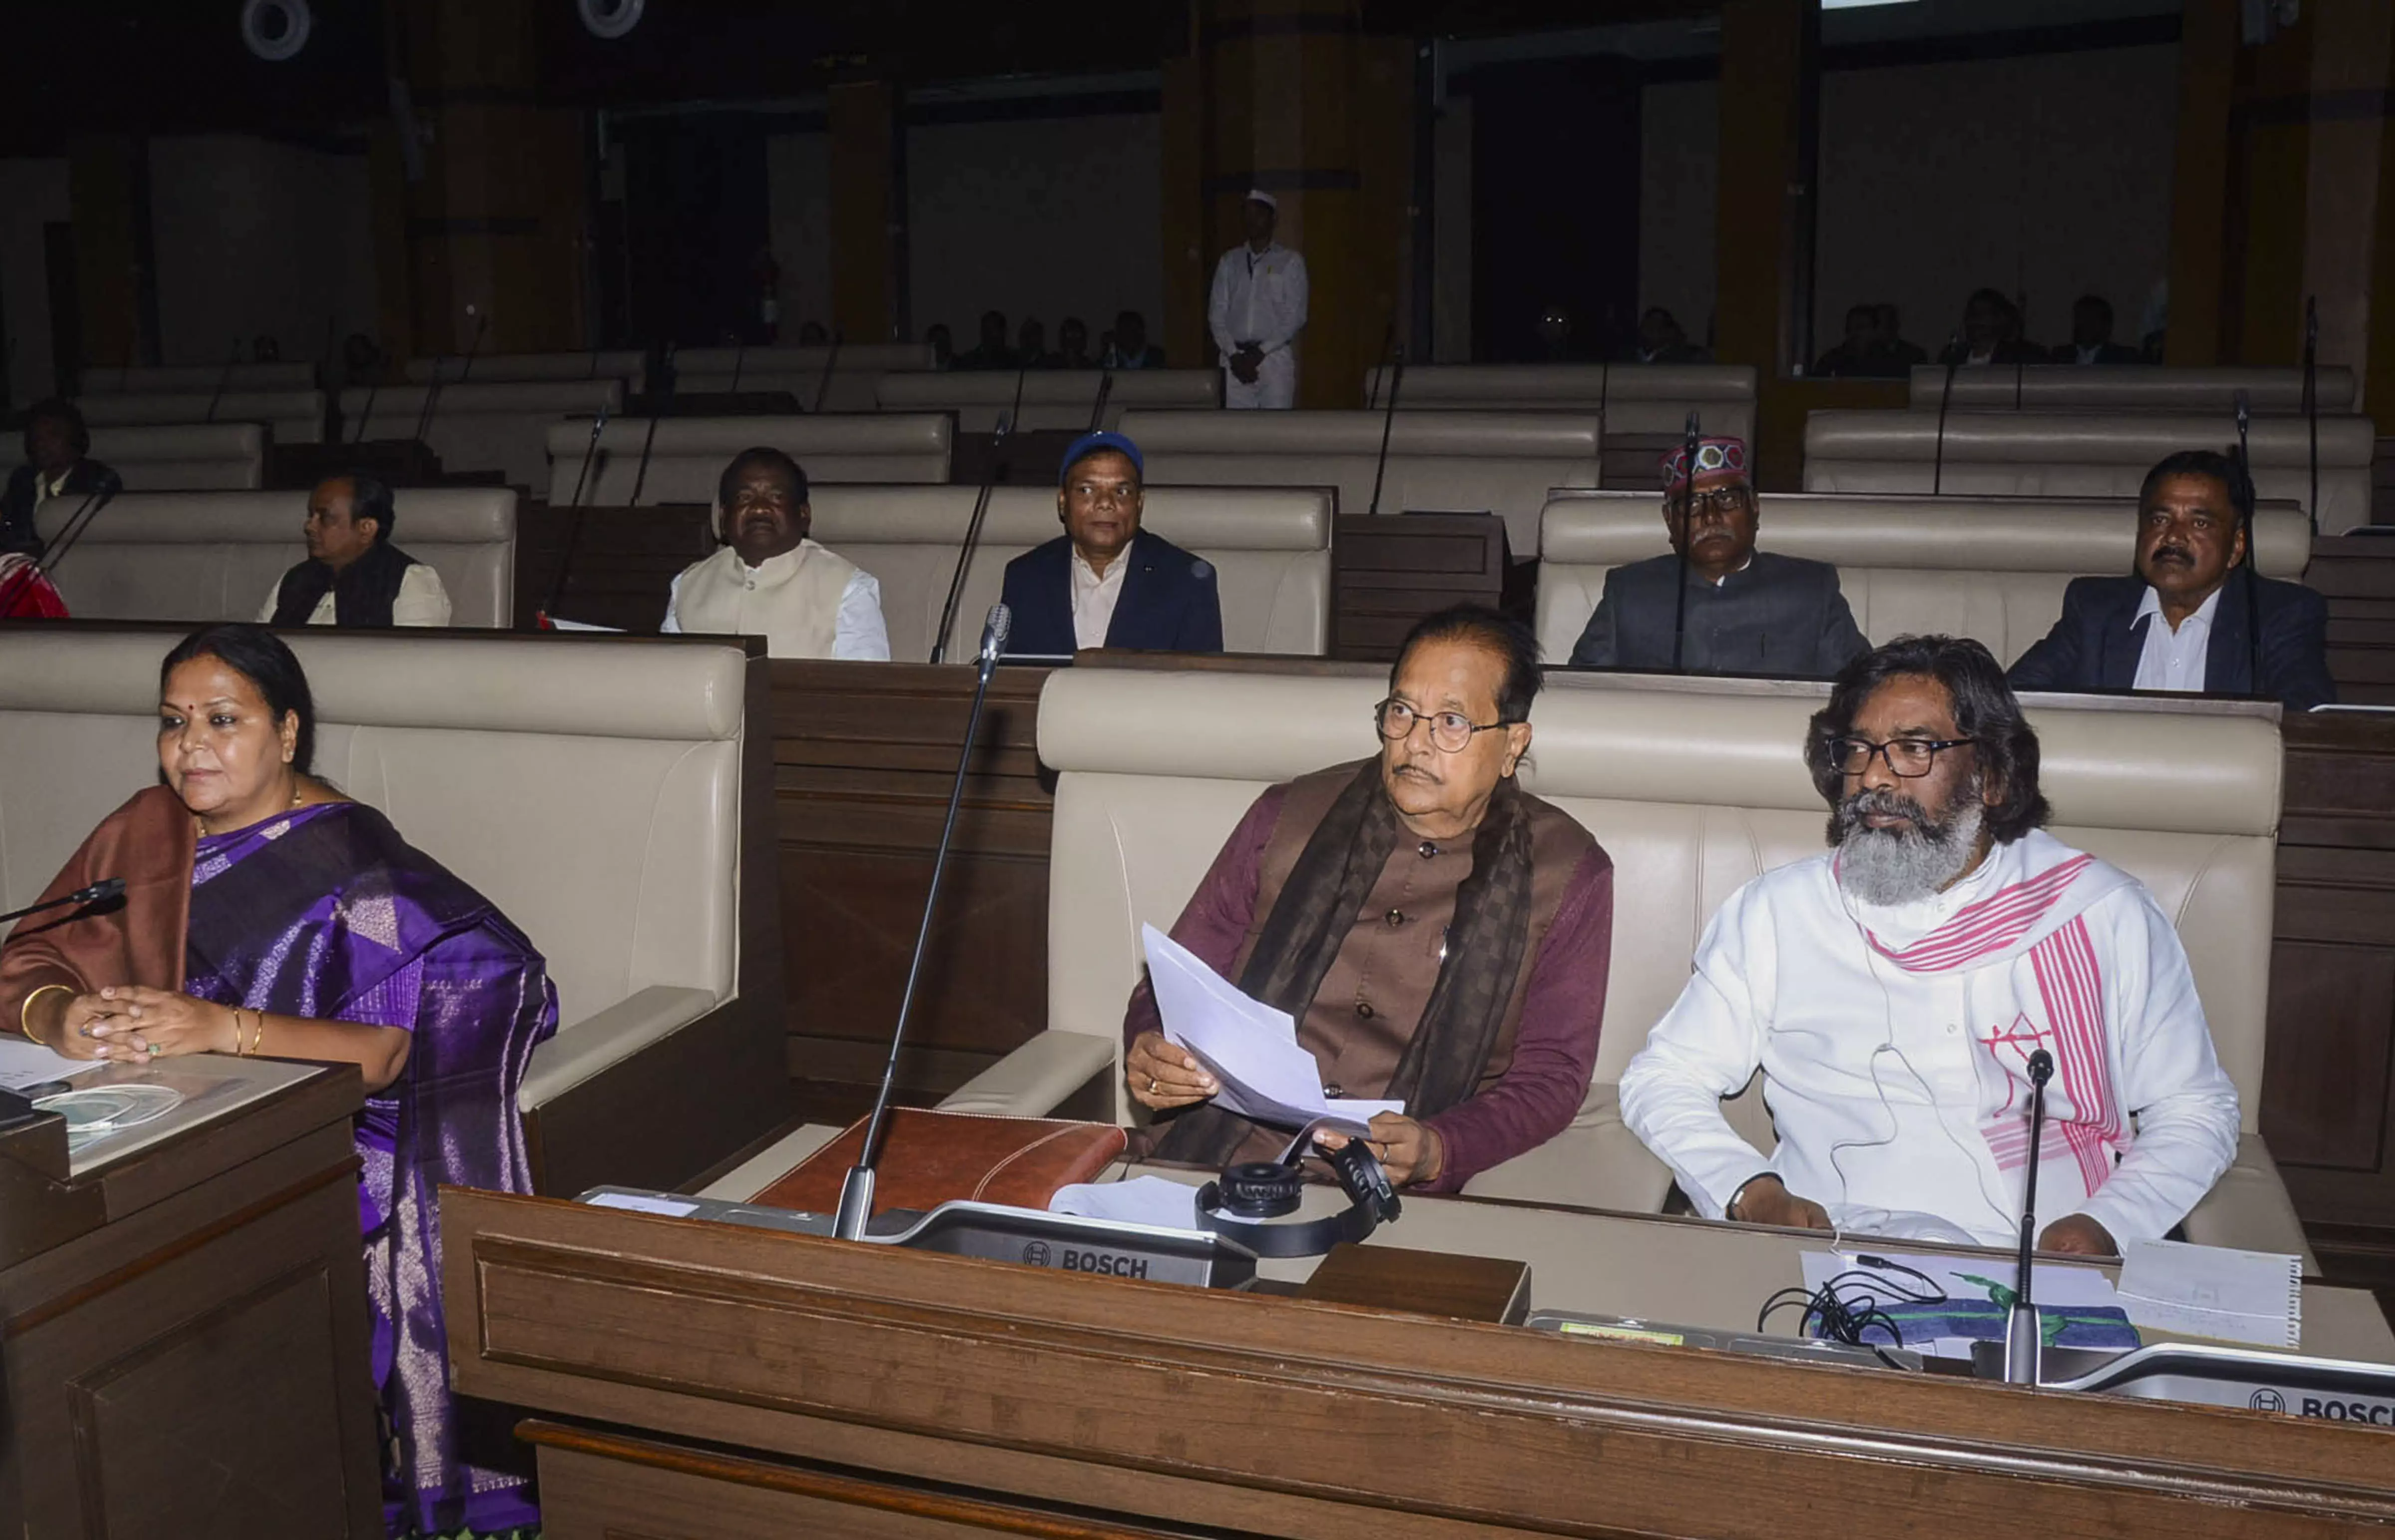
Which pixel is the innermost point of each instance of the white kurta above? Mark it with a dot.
(421, 601)
(784, 601)
(1259, 297)
(1894, 1066)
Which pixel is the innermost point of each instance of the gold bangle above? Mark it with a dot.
(25, 1011)
(238, 1050)
(256, 1028)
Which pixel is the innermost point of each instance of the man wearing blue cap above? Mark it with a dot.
(1104, 581)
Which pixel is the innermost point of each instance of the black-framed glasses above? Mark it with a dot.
(1450, 731)
(1718, 501)
(1910, 758)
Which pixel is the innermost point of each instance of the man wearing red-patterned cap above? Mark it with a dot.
(1744, 610)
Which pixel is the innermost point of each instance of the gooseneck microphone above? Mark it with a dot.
(856, 1192)
(1098, 407)
(1954, 353)
(103, 891)
(2312, 399)
(831, 364)
(224, 376)
(86, 513)
(2252, 553)
(973, 539)
(2024, 1335)
(1687, 515)
(574, 515)
(1388, 422)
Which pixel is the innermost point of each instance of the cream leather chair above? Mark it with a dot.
(485, 424)
(1270, 548)
(690, 453)
(198, 457)
(1993, 569)
(610, 795)
(1693, 786)
(854, 378)
(206, 556)
(2129, 387)
(627, 364)
(1636, 399)
(1053, 400)
(200, 378)
(294, 417)
(1440, 462)
(2066, 453)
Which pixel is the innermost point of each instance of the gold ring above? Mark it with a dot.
(1151, 1085)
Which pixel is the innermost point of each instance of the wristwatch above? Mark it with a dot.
(1730, 1209)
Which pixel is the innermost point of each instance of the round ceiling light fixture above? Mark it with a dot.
(275, 30)
(610, 18)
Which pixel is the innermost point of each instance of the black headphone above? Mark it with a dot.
(1238, 1206)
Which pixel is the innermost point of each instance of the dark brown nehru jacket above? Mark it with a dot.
(149, 843)
(1370, 1002)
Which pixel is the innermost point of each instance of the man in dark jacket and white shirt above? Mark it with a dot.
(1746, 611)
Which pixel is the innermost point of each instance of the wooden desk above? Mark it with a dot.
(724, 1382)
(2357, 574)
(625, 561)
(1387, 571)
(185, 1324)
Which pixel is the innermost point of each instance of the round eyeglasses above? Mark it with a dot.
(1910, 758)
(1450, 731)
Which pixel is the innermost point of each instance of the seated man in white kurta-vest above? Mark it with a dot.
(1895, 988)
(770, 580)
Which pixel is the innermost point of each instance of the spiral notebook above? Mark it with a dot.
(2256, 1296)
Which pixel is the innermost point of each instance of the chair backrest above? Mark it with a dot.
(1439, 461)
(101, 380)
(209, 556)
(1270, 548)
(1992, 568)
(202, 458)
(2064, 454)
(689, 453)
(1692, 787)
(2127, 387)
(1638, 399)
(588, 785)
(800, 370)
(1053, 400)
(295, 416)
(627, 364)
(484, 424)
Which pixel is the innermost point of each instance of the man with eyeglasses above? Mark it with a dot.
(770, 580)
(1716, 605)
(1105, 582)
(1893, 989)
(1440, 935)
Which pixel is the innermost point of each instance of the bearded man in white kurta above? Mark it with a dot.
(770, 580)
(1893, 989)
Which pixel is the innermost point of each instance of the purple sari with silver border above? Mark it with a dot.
(326, 913)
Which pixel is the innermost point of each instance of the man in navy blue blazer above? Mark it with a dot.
(2195, 616)
(1105, 582)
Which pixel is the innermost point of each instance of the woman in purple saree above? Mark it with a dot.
(312, 930)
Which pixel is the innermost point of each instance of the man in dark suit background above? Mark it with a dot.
(2091, 335)
(1744, 612)
(2195, 616)
(57, 450)
(1105, 582)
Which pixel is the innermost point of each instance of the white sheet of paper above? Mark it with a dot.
(2230, 1295)
(1140, 1201)
(641, 1202)
(1250, 1048)
(557, 624)
(23, 1064)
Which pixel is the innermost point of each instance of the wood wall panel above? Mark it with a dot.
(2324, 1090)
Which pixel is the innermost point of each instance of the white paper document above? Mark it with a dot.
(23, 1064)
(2255, 1297)
(1140, 1201)
(1250, 1048)
(641, 1203)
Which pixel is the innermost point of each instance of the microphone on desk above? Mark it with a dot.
(543, 617)
(972, 541)
(2024, 1335)
(1388, 422)
(2244, 462)
(856, 1192)
(102, 891)
(1692, 442)
(1946, 399)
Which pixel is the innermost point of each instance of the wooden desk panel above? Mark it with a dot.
(2356, 576)
(914, 1394)
(1388, 571)
(625, 561)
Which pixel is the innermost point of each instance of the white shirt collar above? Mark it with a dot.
(2152, 605)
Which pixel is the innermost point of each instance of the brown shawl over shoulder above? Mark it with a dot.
(149, 843)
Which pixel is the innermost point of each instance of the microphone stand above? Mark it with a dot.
(2253, 572)
(1098, 407)
(574, 517)
(1388, 346)
(831, 363)
(739, 360)
(1688, 511)
(433, 392)
(973, 539)
(2020, 345)
(1945, 397)
(2311, 403)
(223, 375)
(661, 405)
(1388, 423)
(2024, 1335)
(69, 534)
(1022, 373)
(856, 1191)
(98, 892)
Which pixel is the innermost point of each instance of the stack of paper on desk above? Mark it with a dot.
(1250, 1048)
(2254, 1296)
